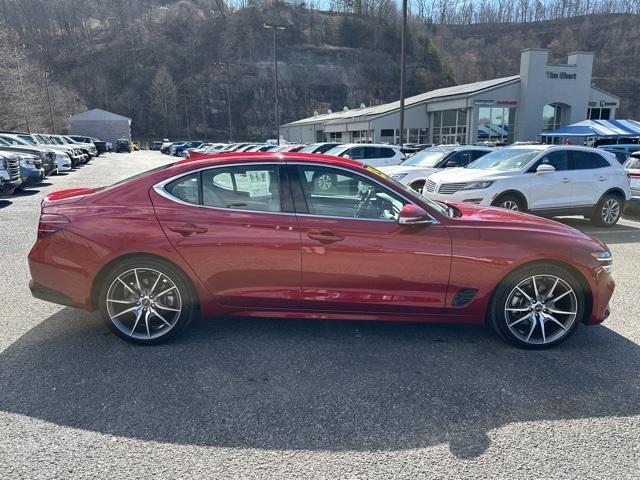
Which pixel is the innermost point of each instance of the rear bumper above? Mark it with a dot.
(50, 295)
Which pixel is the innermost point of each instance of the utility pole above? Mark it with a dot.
(24, 97)
(275, 82)
(46, 82)
(402, 60)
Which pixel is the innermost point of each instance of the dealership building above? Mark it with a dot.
(541, 98)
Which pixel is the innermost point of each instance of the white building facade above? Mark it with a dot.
(541, 98)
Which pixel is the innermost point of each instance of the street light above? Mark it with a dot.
(402, 55)
(275, 83)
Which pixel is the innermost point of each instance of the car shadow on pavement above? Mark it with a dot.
(313, 385)
(28, 192)
(5, 203)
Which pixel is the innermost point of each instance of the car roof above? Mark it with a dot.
(275, 157)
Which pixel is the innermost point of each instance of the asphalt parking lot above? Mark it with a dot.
(307, 399)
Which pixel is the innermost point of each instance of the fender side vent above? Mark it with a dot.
(463, 297)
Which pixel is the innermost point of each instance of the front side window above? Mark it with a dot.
(558, 160)
(333, 192)
(356, 153)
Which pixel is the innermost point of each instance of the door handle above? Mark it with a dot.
(325, 236)
(601, 178)
(187, 230)
(565, 180)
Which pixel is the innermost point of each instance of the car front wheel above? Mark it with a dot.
(509, 202)
(147, 301)
(537, 307)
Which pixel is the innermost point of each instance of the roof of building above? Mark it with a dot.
(98, 114)
(377, 110)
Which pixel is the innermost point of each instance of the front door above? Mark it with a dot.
(234, 226)
(355, 255)
(551, 189)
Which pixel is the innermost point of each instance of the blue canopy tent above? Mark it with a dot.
(597, 128)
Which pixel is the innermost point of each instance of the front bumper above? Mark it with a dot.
(31, 176)
(480, 196)
(64, 164)
(7, 187)
(602, 288)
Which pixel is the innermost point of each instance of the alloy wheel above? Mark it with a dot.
(610, 211)
(143, 303)
(510, 205)
(324, 182)
(541, 309)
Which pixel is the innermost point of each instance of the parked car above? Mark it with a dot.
(632, 166)
(181, 149)
(415, 169)
(166, 146)
(88, 147)
(63, 152)
(369, 249)
(31, 171)
(376, 155)
(122, 145)
(11, 143)
(321, 147)
(622, 151)
(546, 180)
(9, 173)
(60, 140)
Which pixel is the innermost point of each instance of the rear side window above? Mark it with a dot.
(185, 188)
(582, 160)
(384, 152)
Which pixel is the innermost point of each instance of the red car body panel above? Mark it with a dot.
(266, 264)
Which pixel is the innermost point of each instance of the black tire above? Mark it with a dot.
(510, 202)
(418, 185)
(498, 316)
(608, 211)
(186, 295)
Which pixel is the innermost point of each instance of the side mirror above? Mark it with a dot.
(545, 168)
(413, 215)
(451, 164)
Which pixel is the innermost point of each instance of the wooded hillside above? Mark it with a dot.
(167, 64)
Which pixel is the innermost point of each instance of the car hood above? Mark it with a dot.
(451, 175)
(409, 169)
(484, 216)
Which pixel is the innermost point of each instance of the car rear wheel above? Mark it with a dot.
(147, 301)
(537, 307)
(509, 202)
(608, 211)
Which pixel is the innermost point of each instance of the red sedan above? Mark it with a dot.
(309, 236)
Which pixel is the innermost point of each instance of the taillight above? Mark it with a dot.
(51, 223)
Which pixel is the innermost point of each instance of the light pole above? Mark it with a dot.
(275, 83)
(24, 97)
(402, 55)
(46, 83)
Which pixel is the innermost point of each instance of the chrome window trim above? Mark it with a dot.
(159, 188)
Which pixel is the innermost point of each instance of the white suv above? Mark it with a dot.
(546, 180)
(376, 155)
(415, 169)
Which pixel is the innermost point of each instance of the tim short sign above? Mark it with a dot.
(499, 103)
(562, 75)
(603, 103)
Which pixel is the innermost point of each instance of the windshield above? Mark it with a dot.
(437, 206)
(15, 141)
(337, 151)
(505, 160)
(427, 158)
(309, 148)
(27, 139)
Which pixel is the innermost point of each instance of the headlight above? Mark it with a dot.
(399, 176)
(26, 162)
(477, 185)
(605, 258)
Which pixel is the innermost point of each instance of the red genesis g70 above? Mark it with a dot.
(309, 236)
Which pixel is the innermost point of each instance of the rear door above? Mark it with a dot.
(592, 176)
(235, 227)
(551, 190)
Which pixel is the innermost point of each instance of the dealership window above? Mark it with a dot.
(450, 126)
(551, 117)
(496, 124)
(362, 136)
(411, 135)
(334, 137)
(598, 113)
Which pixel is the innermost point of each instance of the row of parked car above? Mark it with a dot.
(26, 159)
(549, 180)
